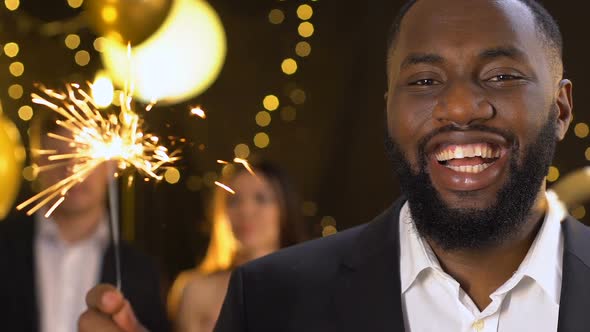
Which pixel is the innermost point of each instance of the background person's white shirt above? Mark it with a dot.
(529, 301)
(64, 273)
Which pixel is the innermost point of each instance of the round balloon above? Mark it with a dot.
(12, 155)
(127, 21)
(178, 62)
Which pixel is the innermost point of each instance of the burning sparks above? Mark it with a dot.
(226, 188)
(96, 138)
(198, 111)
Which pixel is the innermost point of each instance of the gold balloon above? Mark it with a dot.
(126, 21)
(12, 155)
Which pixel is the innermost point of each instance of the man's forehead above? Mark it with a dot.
(462, 24)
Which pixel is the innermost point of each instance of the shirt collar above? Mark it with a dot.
(543, 262)
(47, 230)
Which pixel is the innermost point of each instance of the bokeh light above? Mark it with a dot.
(304, 12)
(289, 66)
(263, 118)
(72, 41)
(276, 16)
(329, 230)
(161, 73)
(309, 209)
(587, 154)
(582, 130)
(11, 49)
(103, 91)
(242, 151)
(303, 49)
(15, 91)
(305, 29)
(270, 102)
(98, 44)
(82, 58)
(261, 140)
(553, 174)
(579, 212)
(297, 96)
(75, 3)
(328, 221)
(16, 69)
(172, 175)
(12, 4)
(30, 172)
(25, 113)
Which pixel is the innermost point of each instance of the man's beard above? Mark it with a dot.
(470, 228)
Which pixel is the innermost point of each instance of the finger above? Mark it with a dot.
(105, 298)
(92, 321)
(125, 319)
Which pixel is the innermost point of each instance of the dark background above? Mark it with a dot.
(334, 148)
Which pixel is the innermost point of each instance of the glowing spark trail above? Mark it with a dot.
(96, 138)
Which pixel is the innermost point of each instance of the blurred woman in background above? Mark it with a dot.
(261, 217)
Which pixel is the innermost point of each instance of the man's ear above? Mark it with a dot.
(565, 104)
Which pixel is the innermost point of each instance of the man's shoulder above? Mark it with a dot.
(317, 255)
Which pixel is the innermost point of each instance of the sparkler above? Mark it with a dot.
(97, 138)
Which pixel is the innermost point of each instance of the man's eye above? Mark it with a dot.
(504, 77)
(424, 82)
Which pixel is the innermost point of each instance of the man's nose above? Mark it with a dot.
(463, 104)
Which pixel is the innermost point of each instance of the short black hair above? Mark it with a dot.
(546, 25)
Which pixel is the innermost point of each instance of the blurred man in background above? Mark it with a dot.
(48, 264)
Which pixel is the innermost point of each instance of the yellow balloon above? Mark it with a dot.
(12, 155)
(178, 62)
(131, 21)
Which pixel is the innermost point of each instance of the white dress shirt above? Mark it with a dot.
(64, 274)
(529, 301)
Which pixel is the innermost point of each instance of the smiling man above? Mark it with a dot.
(475, 106)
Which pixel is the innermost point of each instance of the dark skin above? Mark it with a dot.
(474, 77)
(490, 67)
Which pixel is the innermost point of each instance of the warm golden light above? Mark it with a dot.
(15, 91)
(263, 118)
(103, 91)
(72, 41)
(242, 151)
(304, 12)
(303, 49)
(288, 113)
(328, 221)
(82, 58)
(172, 175)
(582, 130)
(198, 111)
(75, 3)
(225, 187)
(178, 62)
(329, 230)
(109, 14)
(276, 16)
(98, 44)
(30, 173)
(16, 69)
(261, 140)
(25, 113)
(587, 154)
(270, 102)
(579, 212)
(96, 138)
(11, 49)
(305, 29)
(289, 66)
(553, 174)
(12, 4)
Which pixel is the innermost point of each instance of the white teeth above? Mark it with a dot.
(468, 151)
(470, 169)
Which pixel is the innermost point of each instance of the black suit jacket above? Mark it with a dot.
(19, 310)
(350, 281)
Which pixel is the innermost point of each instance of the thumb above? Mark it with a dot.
(125, 318)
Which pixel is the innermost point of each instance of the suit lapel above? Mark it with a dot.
(575, 287)
(367, 294)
